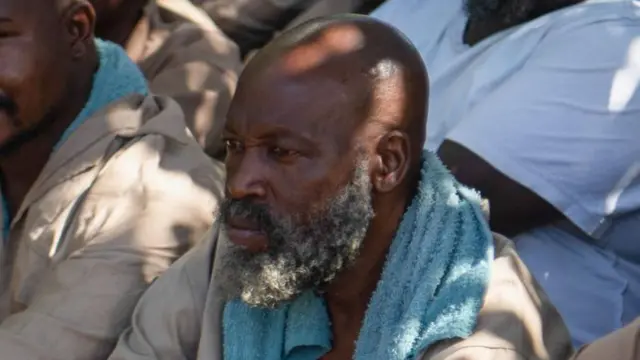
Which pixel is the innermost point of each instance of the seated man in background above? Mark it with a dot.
(102, 185)
(546, 128)
(253, 23)
(182, 54)
(340, 237)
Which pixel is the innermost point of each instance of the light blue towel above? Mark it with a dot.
(117, 77)
(431, 289)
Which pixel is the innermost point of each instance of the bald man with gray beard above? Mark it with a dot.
(340, 238)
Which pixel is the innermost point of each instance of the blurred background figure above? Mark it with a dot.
(182, 53)
(535, 104)
(253, 23)
(102, 187)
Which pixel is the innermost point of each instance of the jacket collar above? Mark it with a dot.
(133, 116)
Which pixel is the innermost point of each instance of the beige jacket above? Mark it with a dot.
(123, 197)
(252, 23)
(179, 317)
(185, 56)
(623, 344)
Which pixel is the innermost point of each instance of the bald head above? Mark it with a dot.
(323, 137)
(378, 69)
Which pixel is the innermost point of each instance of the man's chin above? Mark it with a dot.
(259, 296)
(11, 139)
(257, 282)
(267, 303)
(10, 143)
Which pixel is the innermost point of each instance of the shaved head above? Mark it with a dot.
(379, 70)
(324, 137)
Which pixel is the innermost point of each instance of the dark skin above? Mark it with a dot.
(47, 61)
(480, 29)
(116, 19)
(291, 151)
(515, 209)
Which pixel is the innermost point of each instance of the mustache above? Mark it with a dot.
(246, 209)
(8, 105)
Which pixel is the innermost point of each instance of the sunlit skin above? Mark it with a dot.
(47, 60)
(304, 110)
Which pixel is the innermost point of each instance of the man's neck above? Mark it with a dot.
(349, 295)
(21, 167)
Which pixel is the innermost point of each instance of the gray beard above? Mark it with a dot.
(304, 252)
(511, 12)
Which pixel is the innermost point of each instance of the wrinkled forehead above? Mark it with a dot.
(317, 107)
(311, 90)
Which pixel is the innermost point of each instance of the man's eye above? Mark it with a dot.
(233, 145)
(280, 152)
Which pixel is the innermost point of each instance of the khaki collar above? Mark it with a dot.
(133, 116)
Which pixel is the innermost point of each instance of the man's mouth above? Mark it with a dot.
(247, 234)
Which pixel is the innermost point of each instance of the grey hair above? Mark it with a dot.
(302, 255)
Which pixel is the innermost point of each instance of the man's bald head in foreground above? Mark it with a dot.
(380, 73)
(324, 137)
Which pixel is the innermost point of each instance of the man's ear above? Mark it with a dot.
(393, 159)
(79, 19)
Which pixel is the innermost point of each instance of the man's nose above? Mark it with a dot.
(245, 177)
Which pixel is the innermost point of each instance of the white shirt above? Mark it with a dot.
(554, 105)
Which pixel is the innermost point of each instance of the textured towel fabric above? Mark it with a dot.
(431, 288)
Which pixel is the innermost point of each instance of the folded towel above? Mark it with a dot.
(431, 288)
